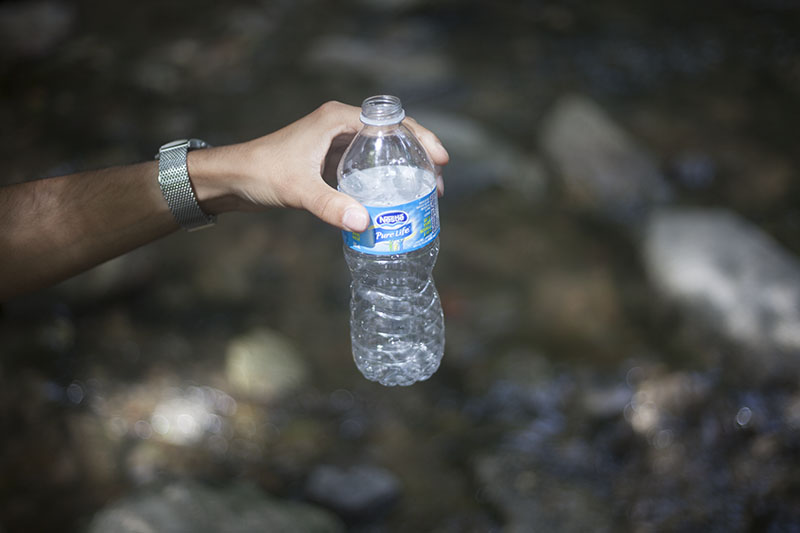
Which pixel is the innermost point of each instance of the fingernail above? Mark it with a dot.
(355, 219)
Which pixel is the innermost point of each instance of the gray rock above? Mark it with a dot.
(357, 493)
(602, 167)
(723, 268)
(263, 365)
(480, 159)
(398, 59)
(189, 507)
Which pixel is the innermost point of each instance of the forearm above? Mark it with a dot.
(54, 228)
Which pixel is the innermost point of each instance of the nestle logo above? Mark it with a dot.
(391, 218)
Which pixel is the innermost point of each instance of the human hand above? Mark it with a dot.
(289, 168)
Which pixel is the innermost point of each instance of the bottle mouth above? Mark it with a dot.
(382, 110)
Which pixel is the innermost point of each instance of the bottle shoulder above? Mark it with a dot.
(381, 146)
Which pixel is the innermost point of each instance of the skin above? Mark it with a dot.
(55, 228)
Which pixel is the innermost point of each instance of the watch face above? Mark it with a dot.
(173, 144)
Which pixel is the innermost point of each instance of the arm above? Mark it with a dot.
(54, 228)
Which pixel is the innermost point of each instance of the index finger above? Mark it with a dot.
(344, 117)
(430, 141)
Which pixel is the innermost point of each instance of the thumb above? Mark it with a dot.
(337, 208)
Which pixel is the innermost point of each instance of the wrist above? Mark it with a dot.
(215, 173)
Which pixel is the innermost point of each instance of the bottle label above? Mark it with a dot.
(398, 229)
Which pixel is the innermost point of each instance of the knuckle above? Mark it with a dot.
(330, 106)
(322, 205)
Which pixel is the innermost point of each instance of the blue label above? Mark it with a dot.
(399, 228)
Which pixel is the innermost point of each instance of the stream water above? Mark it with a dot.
(578, 391)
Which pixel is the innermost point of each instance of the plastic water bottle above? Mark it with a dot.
(396, 320)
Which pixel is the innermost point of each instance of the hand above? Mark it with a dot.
(289, 168)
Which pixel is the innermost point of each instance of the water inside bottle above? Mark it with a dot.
(387, 185)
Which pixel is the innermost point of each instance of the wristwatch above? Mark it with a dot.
(173, 178)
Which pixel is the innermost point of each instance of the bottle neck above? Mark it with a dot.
(380, 130)
(382, 110)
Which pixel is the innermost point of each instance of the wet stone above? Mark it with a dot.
(722, 268)
(602, 167)
(357, 493)
(405, 58)
(189, 507)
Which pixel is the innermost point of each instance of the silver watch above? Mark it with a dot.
(173, 178)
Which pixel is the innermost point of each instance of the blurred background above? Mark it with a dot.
(618, 272)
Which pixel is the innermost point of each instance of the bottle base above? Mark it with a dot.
(394, 377)
(402, 374)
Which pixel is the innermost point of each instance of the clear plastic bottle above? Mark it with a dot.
(396, 320)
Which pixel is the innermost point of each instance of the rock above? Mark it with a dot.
(34, 28)
(356, 493)
(264, 365)
(602, 167)
(406, 60)
(480, 159)
(724, 269)
(186, 506)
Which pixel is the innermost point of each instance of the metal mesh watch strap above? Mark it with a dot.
(173, 177)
